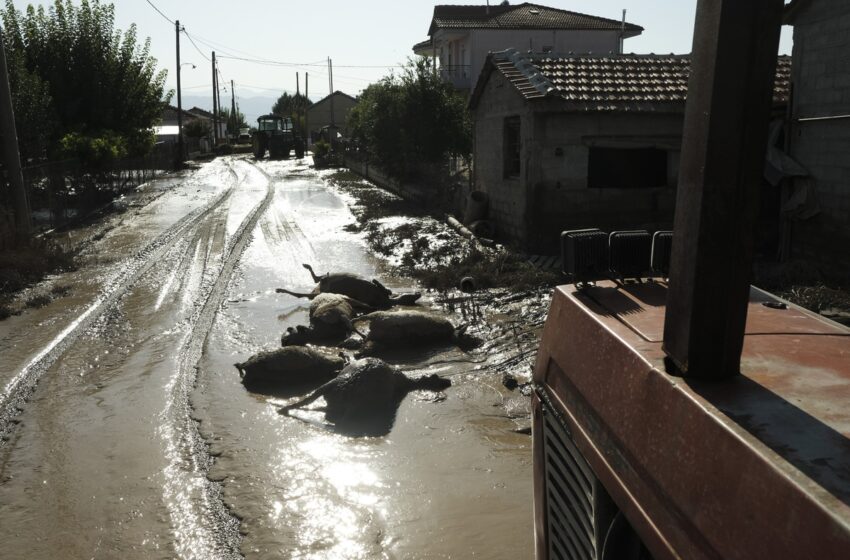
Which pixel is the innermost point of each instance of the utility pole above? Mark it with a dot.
(179, 101)
(215, 109)
(11, 155)
(233, 108)
(331, 83)
(297, 84)
(307, 109)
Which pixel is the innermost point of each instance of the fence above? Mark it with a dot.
(60, 192)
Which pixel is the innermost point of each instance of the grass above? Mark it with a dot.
(26, 265)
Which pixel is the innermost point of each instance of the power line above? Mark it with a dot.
(168, 19)
(309, 64)
(196, 46)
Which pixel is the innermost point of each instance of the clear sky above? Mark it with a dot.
(364, 38)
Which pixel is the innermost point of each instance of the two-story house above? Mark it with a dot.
(461, 36)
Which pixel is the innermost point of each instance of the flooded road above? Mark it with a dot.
(127, 433)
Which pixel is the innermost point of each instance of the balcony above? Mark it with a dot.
(458, 75)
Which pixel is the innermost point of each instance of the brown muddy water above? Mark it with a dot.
(127, 434)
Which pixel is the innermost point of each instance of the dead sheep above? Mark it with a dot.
(330, 321)
(406, 328)
(364, 398)
(292, 367)
(369, 292)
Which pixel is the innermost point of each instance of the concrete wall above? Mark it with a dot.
(821, 77)
(559, 197)
(320, 113)
(507, 195)
(551, 194)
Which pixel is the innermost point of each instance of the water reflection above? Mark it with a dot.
(332, 497)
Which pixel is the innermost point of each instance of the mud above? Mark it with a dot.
(127, 433)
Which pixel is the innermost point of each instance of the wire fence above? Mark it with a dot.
(62, 192)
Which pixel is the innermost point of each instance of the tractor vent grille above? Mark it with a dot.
(630, 253)
(662, 245)
(584, 254)
(570, 487)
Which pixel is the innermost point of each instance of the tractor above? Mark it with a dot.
(277, 135)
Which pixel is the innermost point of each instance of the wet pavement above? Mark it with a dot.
(127, 433)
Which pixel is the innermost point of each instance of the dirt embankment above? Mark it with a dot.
(422, 246)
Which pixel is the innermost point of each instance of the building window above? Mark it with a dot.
(626, 168)
(511, 147)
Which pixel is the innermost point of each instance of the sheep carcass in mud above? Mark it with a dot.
(368, 292)
(364, 398)
(330, 321)
(411, 328)
(287, 369)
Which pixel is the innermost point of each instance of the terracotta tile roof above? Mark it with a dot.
(631, 82)
(520, 16)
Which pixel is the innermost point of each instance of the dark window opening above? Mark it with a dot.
(626, 168)
(511, 144)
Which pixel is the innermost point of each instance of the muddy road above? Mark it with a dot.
(127, 434)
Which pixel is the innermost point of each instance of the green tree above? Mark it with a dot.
(233, 124)
(291, 105)
(102, 84)
(412, 119)
(197, 128)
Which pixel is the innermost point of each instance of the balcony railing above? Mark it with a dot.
(457, 74)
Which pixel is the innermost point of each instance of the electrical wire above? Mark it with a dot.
(200, 52)
(168, 19)
(309, 64)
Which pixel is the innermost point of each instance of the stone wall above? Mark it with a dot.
(821, 77)
(507, 195)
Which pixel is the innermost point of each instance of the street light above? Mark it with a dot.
(180, 111)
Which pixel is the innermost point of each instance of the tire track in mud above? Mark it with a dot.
(21, 387)
(204, 527)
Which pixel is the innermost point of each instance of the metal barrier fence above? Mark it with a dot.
(60, 192)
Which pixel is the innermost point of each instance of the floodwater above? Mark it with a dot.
(126, 432)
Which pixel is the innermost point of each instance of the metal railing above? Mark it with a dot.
(60, 192)
(459, 75)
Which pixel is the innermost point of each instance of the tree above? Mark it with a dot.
(291, 105)
(411, 119)
(233, 124)
(197, 128)
(103, 87)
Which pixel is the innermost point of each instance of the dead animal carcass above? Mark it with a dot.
(330, 321)
(287, 369)
(364, 398)
(368, 292)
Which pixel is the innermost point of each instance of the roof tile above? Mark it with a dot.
(520, 16)
(635, 82)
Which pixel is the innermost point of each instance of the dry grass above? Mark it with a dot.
(25, 266)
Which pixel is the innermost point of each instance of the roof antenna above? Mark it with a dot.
(623, 32)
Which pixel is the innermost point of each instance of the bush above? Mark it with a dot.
(321, 149)
(94, 151)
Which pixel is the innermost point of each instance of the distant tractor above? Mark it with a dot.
(277, 135)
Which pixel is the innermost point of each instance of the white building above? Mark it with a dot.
(462, 36)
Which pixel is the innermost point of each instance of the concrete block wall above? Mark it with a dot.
(507, 195)
(551, 193)
(821, 76)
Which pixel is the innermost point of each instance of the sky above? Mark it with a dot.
(365, 39)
